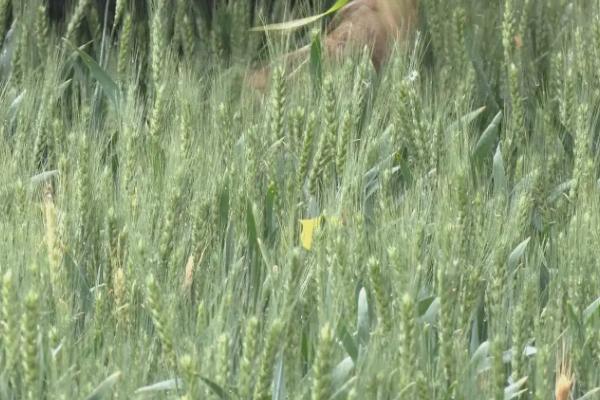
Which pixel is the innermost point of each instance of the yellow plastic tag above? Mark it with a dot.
(309, 226)
(308, 230)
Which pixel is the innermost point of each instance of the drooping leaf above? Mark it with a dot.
(499, 174)
(43, 176)
(560, 190)
(479, 356)
(430, 316)
(216, 388)
(423, 305)
(516, 254)
(514, 390)
(363, 323)
(110, 88)
(169, 384)
(344, 389)
(8, 49)
(488, 137)
(465, 119)
(341, 373)
(590, 394)
(591, 309)
(105, 387)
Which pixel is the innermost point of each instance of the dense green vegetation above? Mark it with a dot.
(151, 208)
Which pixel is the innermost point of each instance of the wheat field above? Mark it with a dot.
(430, 230)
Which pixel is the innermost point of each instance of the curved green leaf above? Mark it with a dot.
(488, 137)
(297, 23)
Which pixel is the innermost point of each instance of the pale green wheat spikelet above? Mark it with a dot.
(156, 116)
(523, 208)
(328, 140)
(422, 387)
(42, 30)
(201, 317)
(129, 169)
(419, 133)
(159, 42)
(120, 292)
(222, 377)
(84, 188)
(113, 240)
(262, 390)
(581, 54)
(344, 143)
(189, 40)
(224, 124)
(119, 11)
(596, 46)
(51, 237)
(498, 379)
(10, 323)
(278, 101)
(555, 80)
(295, 131)
(517, 112)
(307, 147)
(445, 328)
(29, 345)
(42, 150)
(359, 89)
(125, 44)
(4, 4)
(495, 290)
(160, 321)
(518, 336)
(470, 294)
(435, 24)
(403, 118)
(321, 387)
(408, 350)
(180, 11)
(381, 297)
(170, 221)
(19, 60)
(457, 47)
(316, 167)
(76, 18)
(566, 99)
(508, 28)
(541, 373)
(331, 128)
(249, 354)
(185, 117)
(188, 368)
(583, 166)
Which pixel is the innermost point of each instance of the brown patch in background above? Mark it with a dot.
(374, 24)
